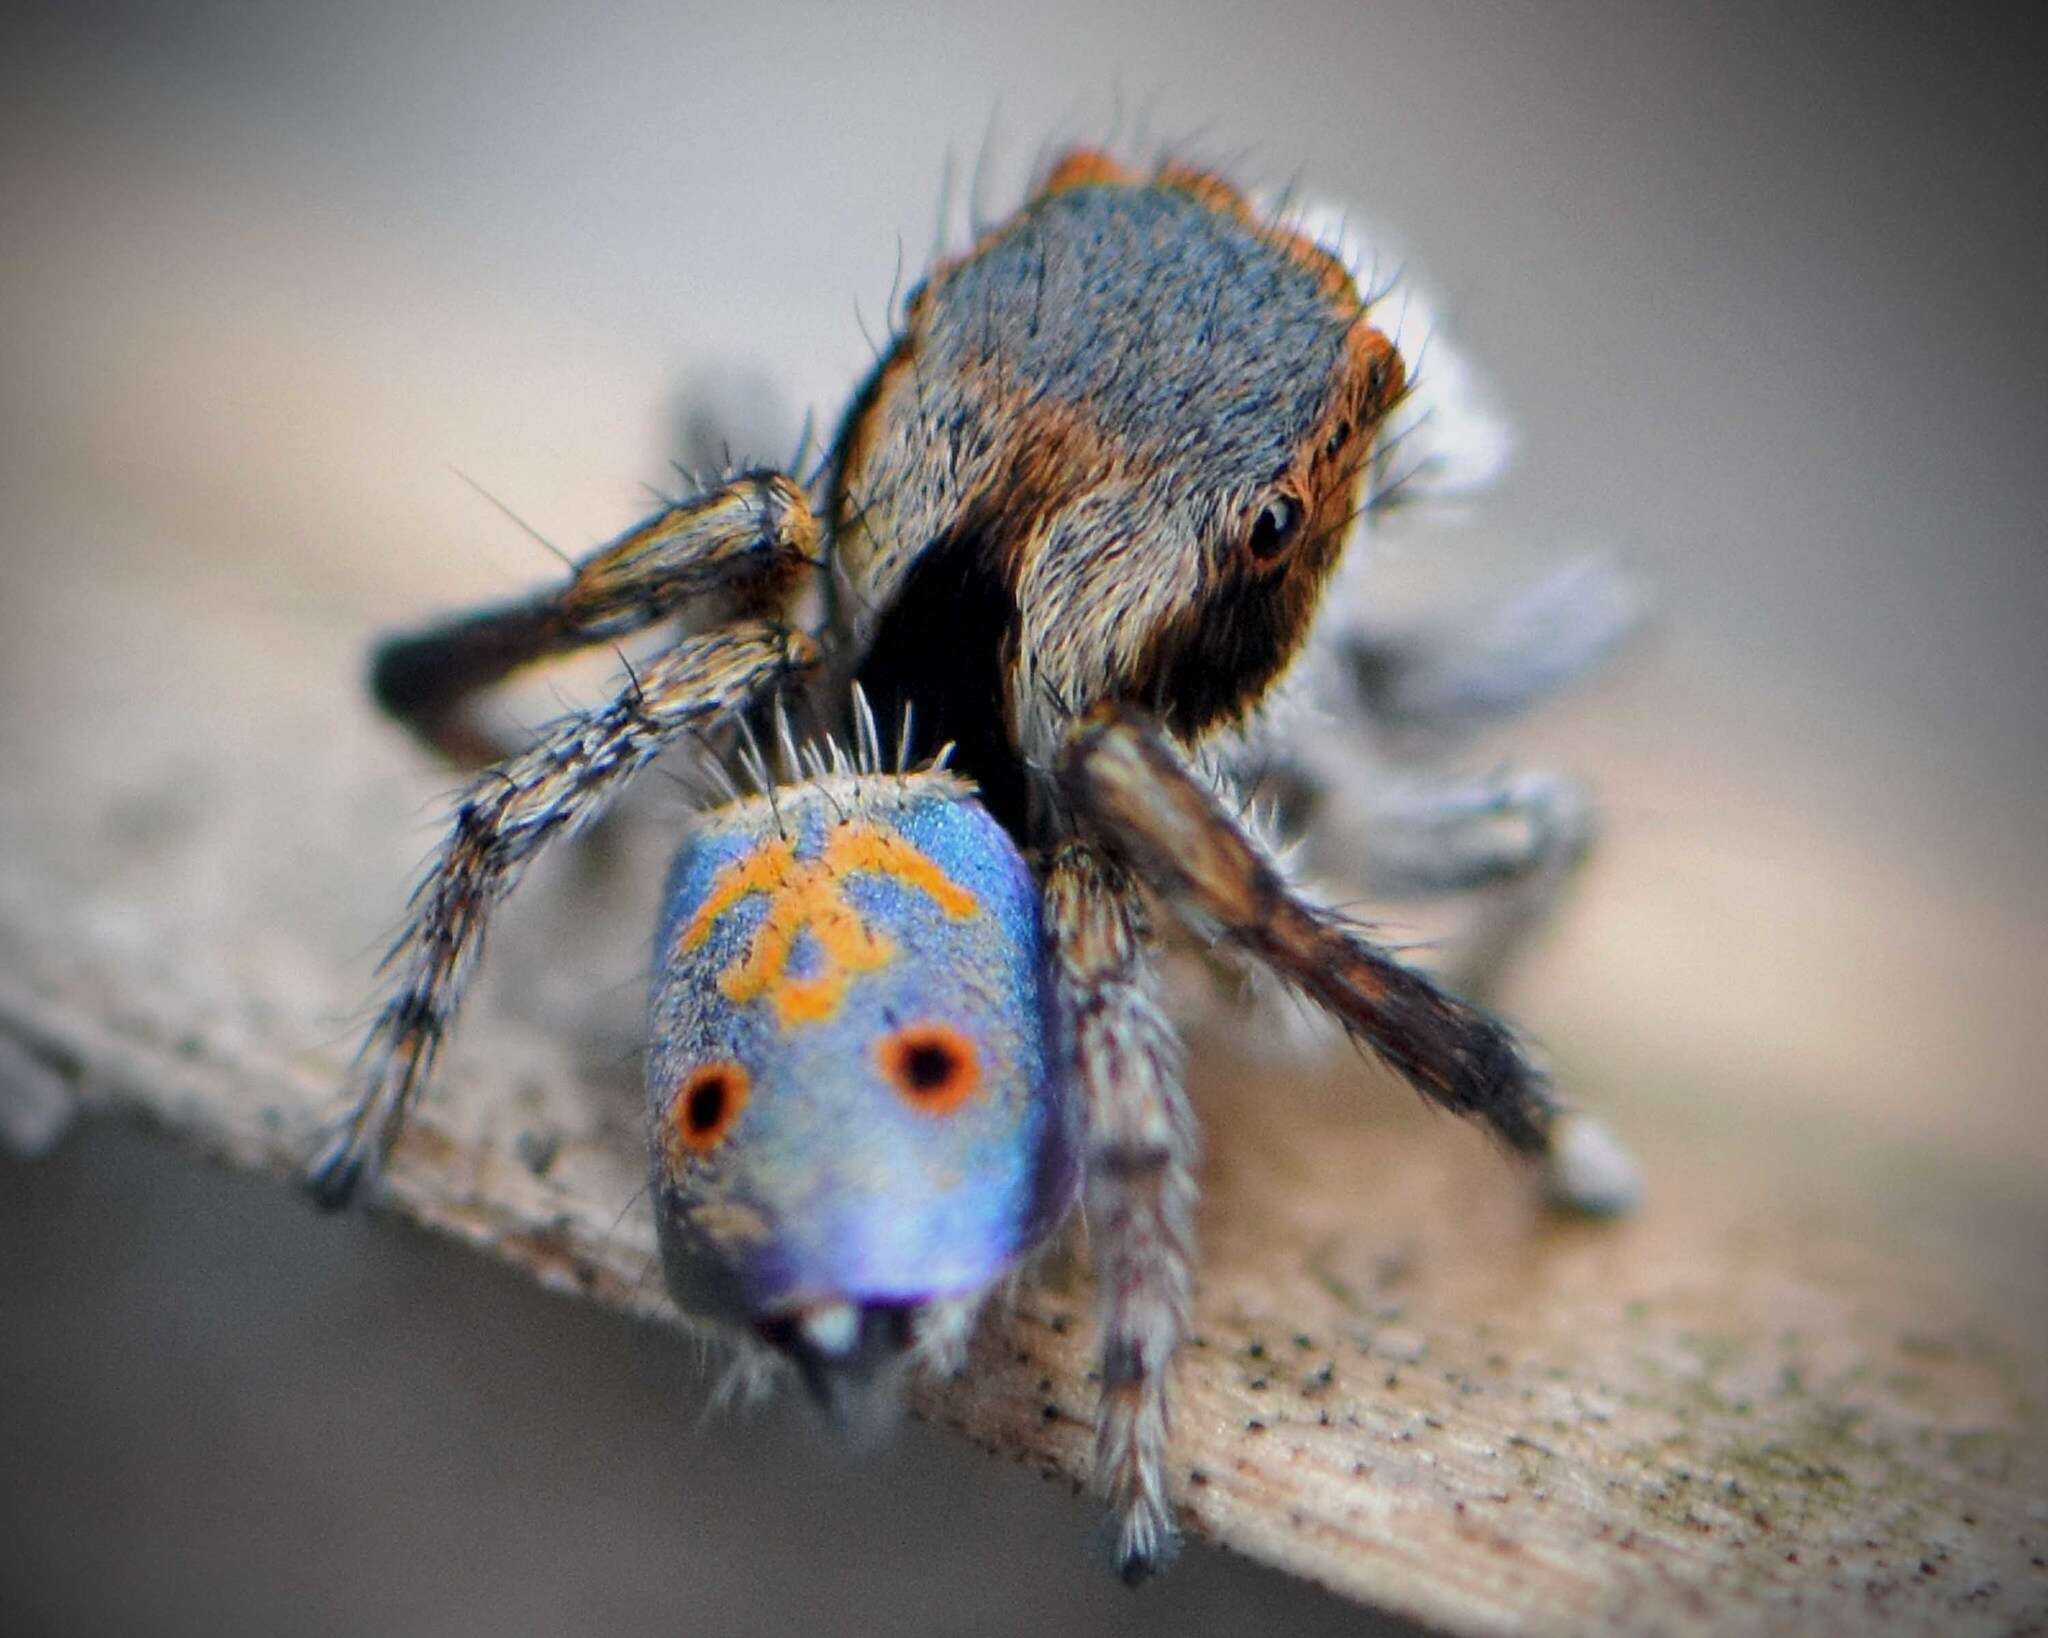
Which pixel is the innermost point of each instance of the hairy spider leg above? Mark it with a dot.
(1138, 1180)
(502, 822)
(1130, 782)
(1451, 677)
(754, 535)
(1392, 702)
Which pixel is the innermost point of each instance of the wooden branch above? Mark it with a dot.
(1802, 1392)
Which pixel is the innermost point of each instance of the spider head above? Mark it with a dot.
(1114, 456)
(1185, 577)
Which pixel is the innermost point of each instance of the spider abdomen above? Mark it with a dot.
(855, 1094)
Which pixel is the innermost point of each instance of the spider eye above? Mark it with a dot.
(706, 1107)
(1273, 530)
(933, 1066)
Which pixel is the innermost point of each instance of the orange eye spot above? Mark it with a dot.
(934, 1066)
(706, 1107)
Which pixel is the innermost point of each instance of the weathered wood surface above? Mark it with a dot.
(254, 318)
(1802, 1391)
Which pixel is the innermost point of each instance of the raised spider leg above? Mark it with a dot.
(1427, 837)
(1132, 787)
(1447, 680)
(1407, 695)
(1517, 838)
(502, 822)
(1139, 1180)
(755, 534)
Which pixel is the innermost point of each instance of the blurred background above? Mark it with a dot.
(1759, 285)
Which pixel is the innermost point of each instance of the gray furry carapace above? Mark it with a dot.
(1087, 521)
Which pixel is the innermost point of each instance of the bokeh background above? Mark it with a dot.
(1760, 285)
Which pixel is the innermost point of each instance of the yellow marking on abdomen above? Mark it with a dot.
(805, 893)
(863, 847)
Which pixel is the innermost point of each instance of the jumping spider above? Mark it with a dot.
(1082, 518)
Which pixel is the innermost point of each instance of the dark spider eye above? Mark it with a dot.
(933, 1067)
(1273, 529)
(1337, 440)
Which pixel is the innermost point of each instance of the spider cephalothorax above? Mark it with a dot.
(1124, 437)
(1083, 517)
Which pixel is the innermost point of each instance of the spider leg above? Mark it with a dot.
(1383, 702)
(1443, 682)
(502, 822)
(1428, 838)
(1516, 837)
(1130, 784)
(1140, 1181)
(755, 533)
